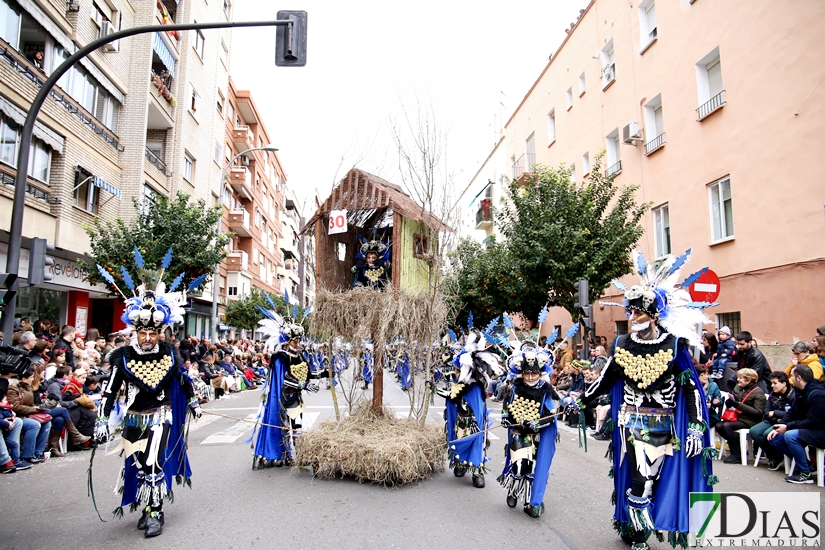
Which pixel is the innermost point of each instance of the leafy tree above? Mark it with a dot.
(558, 231)
(189, 228)
(244, 313)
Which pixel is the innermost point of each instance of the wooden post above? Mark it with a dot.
(378, 379)
(332, 382)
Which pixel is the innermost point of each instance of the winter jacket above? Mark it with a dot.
(808, 414)
(751, 409)
(21, 398)
(726, 348)
(812, 360)
(55, 387)
(753, 359)
(778, 404)
(712, 392)
(6, 414)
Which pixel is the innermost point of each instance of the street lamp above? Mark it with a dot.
(226, 168)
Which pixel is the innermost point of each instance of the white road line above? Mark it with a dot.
(205, 420)
(230, 434)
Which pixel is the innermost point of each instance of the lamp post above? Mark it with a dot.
(226, 168)
(293, 42)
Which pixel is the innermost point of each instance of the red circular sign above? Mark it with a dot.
(706, 288)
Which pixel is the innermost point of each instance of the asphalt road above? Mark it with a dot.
(232, 506)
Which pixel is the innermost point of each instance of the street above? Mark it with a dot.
(232, 506)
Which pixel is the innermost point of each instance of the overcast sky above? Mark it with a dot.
(367, 60)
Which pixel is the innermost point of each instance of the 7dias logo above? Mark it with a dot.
(754, 520)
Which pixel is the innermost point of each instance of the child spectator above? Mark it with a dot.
(724, 352)
(713, 396)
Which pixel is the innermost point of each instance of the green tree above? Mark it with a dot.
(189, 228)
(558, 231)
(245, 312)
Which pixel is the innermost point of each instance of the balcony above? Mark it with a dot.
(240, 179)
(239, 222)
(237, 260)
(655, 144)
(243, 137)
(614, 169)
(525, 164)
(712, 105)
(484, 215)
(244, 105)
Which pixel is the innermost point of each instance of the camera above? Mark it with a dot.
(13, 361)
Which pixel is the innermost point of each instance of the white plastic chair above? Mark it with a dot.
(790, 464)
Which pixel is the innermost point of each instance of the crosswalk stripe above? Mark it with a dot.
(205, 420)
(230, 434)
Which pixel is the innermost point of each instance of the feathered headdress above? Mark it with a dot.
(477, 363)
(151, 305)
(528, 357)
(277, 328)
(659, 295)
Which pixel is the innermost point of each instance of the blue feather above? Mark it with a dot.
(167, 259)
(489, 337)
(452, 335)
(286, 296)
(553, 336)
(138, 258)
(505, 342)
(106, 275)
(618, 284)
(269, 299)
(127, 279)
(641, 263)
(543, 314)
(507, 321)
(571, 332)
(306, 311)
(198, 281)
(701, 305)
(492, 326)
(693, 277)
(470, 320)
(266, 312)
(176, 283)
(680, 261)
(295, 311)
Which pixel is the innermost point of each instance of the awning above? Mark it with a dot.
(58, 35)
(165, 54)
(98, 182)
(41, 132)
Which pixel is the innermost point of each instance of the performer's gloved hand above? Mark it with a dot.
(101, 430)
(693, 443)
(196, 409)
(528, 425)
(579, 403)
(505, 422)
(312, 387)
(731, 403)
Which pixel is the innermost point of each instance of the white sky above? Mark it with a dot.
(368, 59)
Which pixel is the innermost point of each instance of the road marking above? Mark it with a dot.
(230, 434)
(205, 420)
(492, 436)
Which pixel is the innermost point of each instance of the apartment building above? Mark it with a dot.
(290, 272)
(714, 109)
(253, 201)
(119, 126)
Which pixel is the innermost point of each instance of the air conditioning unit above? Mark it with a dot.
(632, 133)
(609, 73)
(245, 160)
(105, 30)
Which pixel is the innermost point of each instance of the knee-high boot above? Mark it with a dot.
(75, 436)
(54, 444)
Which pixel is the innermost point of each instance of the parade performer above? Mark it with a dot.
(367, 363)
(529, 416)
(371, 268)
(466, 414)
(282, 407)
(159, 393)
(660, 441)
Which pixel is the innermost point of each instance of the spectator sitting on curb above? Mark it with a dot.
(803, 425)
(11, 428)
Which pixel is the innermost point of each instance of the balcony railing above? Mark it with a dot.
(655, 144)
(525, 163)
(155, 160)
(484, 215)
(714, 103)
(614, 169)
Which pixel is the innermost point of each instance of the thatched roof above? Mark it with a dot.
(360, 190)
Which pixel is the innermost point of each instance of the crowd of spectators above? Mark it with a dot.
(52, 406)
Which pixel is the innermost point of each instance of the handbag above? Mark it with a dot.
(731, 414)
(41, 417)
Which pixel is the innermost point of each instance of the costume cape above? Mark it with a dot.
(403, 368)
(471, 448)
(269, 443)
(367, 369)
(544, 455)
(680, 475)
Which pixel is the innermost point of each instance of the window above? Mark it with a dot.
(10, 23)
(608, 65)
(219, 102)
(194, 101)
(721, 210)
(530, 147)
(661, 230)
(621, 328)
(86, 193)
(9, 137)
(585, 164)
(709, 84)
(226, 6)
(227, 153)
(731, 320)
(227, 197)
(647, 24)
(421, 245)
(149, 199)
(40, 154)
(569, 97)
(98, 16)
(198, 41)
(581, 85)
(221, 283)
(654, 125)
(188, 168)
(217, 153)
(342, 252)
(551, 127)
(230, 111)
(614, 161)
(224, 54)
(232, 291)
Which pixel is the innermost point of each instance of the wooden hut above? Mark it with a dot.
(374, 206)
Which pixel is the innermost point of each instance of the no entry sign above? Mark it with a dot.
(337, 222)
(705, 288)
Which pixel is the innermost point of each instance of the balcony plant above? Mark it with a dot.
(163, 90)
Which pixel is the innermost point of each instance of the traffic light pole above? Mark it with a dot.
(19, 204)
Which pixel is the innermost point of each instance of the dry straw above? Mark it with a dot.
(386, 450)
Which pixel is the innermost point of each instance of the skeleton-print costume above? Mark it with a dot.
(660, 446)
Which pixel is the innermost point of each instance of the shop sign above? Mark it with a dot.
(64, 272)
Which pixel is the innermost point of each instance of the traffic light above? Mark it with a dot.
(7, 290)
(39, 262)
(588, 317)
(581, 294)
(291, 40)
